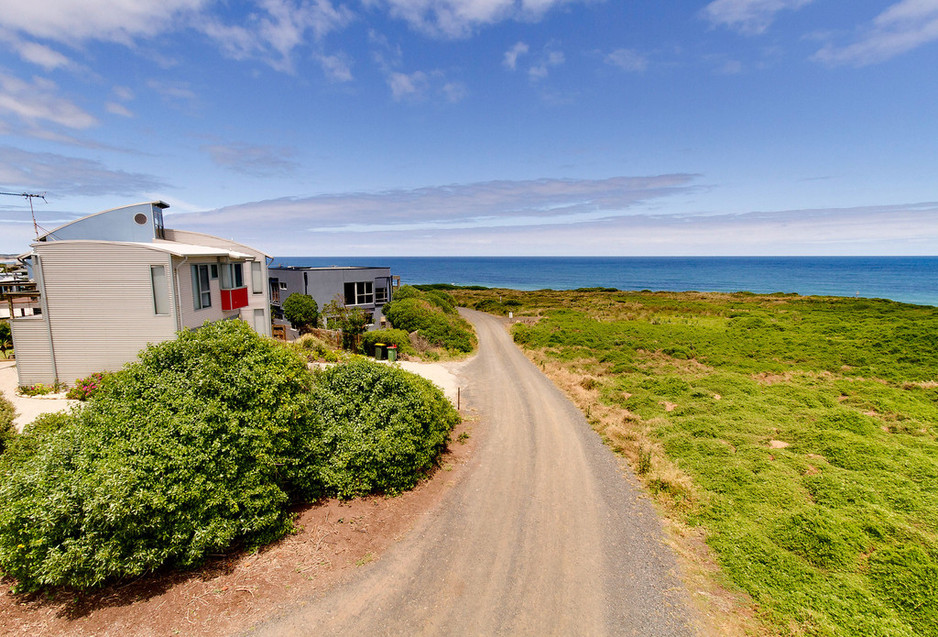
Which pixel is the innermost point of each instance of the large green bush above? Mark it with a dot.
(432, 315)
(199, 446)
(194, 447)
(382, 427)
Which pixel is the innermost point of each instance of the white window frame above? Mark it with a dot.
(231, 276)
(257, 278)
(362, 291)
(201, 286)
(159, 283)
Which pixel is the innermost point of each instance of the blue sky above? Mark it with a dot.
(481, 127)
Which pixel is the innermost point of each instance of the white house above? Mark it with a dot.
(112, 282)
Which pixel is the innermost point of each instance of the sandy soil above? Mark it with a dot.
(27, 408)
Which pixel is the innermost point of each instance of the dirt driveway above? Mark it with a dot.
(544, 535)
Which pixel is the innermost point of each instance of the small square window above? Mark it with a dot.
(283, 286)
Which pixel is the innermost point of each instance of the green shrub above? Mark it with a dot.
(302, 311)
(7, 414)
(196, 446)
(313, 348)
(381, 427)
(388, 337)
(448, 331)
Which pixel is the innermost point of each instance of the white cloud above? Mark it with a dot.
(68, 21)
(475, 204)
(253, 160)
(550, 59)
(628, 60)
(563, 216)
(459, 18)
(61, 175)
(511, 55)
(408, 86)
(115, 108)
(904, 26)
(748, 16)
(337, 68)
(41, 55)
(455, 91)
(38, 101)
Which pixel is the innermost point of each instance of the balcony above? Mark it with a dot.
(234, 299)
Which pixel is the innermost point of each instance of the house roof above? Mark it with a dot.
(170, 247)
(159, 204)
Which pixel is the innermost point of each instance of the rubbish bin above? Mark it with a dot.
(392, 353)
(379, 351)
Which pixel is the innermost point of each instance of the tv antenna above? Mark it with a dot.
(29, 197)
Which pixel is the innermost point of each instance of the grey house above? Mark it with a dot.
(366, 287)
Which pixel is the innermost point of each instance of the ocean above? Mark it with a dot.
(906, 279)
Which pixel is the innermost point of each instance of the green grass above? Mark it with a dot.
(806, 425)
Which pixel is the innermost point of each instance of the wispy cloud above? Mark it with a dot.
(253, 160)
(61, 175)
(121, 21)
(898, 229)
(38, 101)
(904, 26)
(511, 55)
(408, 86)
(486, 204)
(628, 60)
(748, 16)
(41, 55)
(460, 18)
(548, 60)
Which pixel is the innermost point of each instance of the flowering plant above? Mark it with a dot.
(85, 388)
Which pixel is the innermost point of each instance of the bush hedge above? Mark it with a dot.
(199, 446)
(433, 316)
(388, 337)
(382, 427)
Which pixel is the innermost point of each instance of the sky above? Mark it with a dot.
(480, 127)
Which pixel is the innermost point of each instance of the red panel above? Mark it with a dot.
(234, 299)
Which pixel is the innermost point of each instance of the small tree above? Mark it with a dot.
(351, 320)
(302, 311)
(6, 339)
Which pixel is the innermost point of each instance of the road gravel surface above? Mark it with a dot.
(546, 534)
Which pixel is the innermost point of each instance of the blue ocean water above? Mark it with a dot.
(906, 279)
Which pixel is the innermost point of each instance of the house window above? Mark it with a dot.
(381, 295)
(283, 285)
(213, 269)
(232, 276)
(160, 289)
(201, 292)
(257, 281)
(359, 293)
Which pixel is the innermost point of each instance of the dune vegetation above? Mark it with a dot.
(797, 435)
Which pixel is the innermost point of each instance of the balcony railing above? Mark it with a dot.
(234, 299)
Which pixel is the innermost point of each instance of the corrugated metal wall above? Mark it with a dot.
(100, 304)
(33, 358)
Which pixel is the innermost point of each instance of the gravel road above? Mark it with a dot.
(545, 535)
